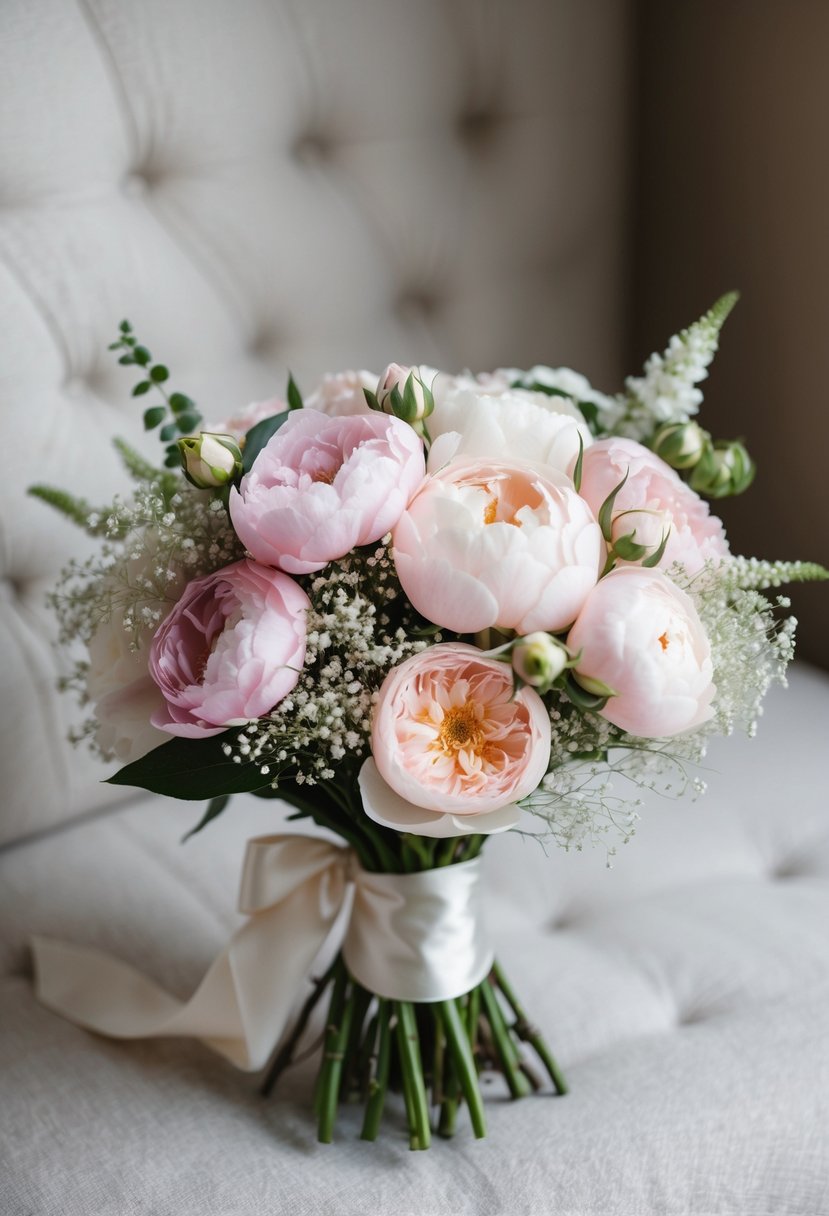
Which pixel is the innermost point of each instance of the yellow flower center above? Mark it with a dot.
(460, 728)
(664, 640)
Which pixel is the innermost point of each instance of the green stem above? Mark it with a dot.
(360, 1000)
(508, 1057)
(414, 1090)
(379, 1079)
(457, 1042)
(445, 853)
(528, 1032)
(284, 1056)
(336, 1038)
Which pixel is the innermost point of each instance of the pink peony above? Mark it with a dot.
(640, 634)
(451, 739)
(323, 485)
(654, 499)
(490, 543)
(229, 651)
(248, 416)
(342, 394)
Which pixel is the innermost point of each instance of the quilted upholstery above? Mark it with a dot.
(263, 184)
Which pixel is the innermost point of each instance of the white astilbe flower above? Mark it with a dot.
(667, 392)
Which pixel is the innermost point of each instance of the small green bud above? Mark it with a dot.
(539, 659)
(402, 393)
(210, 460)
(681, 444)
(725, 469)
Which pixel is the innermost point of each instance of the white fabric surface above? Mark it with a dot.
(685, 992)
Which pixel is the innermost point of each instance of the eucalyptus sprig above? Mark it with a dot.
(179, 414)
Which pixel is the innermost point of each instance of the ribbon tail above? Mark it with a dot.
(241, 1007)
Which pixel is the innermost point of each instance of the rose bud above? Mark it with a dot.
(538, 659)
(402, 393)
(680, 444)
(725, 469)
(209, 460)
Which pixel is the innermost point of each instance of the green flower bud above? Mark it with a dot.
(402, 393)
(725, 469)
(539, 659)
(680, 444)
(209, 460)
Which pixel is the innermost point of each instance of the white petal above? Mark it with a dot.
(386, 807)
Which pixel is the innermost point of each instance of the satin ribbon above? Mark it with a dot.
(410, 937)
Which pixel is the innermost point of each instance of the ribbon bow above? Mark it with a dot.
(410, 937)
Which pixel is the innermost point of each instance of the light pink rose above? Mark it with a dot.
(452, 740)
(243, 419)
(322, 485)
(640, 634)
(229, 651)
(489, 543)
(342, 395)
(654, 499)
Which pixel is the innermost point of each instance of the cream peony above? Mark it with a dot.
(489, 543)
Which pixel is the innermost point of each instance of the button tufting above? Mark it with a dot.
(417, 303)
(75, 386)
(135, 184)
(313, 148)
(478, 128)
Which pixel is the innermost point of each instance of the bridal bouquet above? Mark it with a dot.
(422, 609)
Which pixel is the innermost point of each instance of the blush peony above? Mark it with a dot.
(653, 500)
(454, 746)
(341, 394)
(230, 650)
(640, 634)
(490, 543)
(323, 485)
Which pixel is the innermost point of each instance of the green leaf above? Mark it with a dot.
(168, 432)
(258, 436)
(126, 360)
(371, 399)
(76, 509)
(142, 388)
(577, 470)
(125, 327)
(153, 416)
(180, 404)
(587, 702)
(627, 548)
(173, 458)
(294, 395)
(657, 555)
(590, 413)
(188, 422)
(159, 374)
(606, 509)
(214, 807)
(141, 355)
(192, 769)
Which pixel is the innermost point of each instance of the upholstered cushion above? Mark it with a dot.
(685, 991)
(263, 185)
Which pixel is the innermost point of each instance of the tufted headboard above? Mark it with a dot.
(265, 184)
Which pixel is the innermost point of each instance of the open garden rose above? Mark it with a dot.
(322, 485)
(653, 500)
(487, 542)
(640, 634)
(230, 650)
(511, 424)
(452, 741)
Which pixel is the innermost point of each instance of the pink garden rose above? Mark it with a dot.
(640, 634)
(322, 485)
(452, 741)
(229, 651)
(490, 543)
(653, 500)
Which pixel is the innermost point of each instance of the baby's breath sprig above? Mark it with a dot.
(179, 410)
